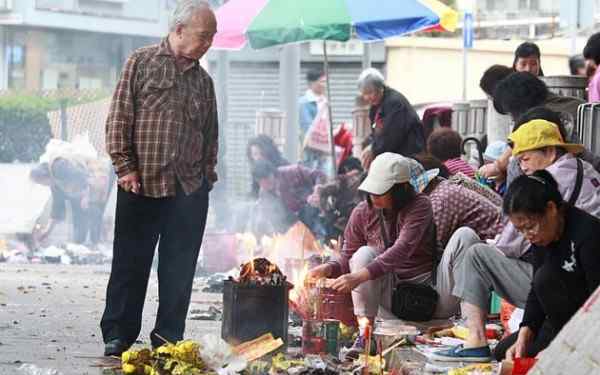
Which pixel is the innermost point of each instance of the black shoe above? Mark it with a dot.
(115, 347)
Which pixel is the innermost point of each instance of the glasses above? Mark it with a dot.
(531, 230)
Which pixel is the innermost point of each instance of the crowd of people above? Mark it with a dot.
(416, 217)
(422, 239)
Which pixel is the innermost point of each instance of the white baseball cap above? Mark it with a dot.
(387, 170)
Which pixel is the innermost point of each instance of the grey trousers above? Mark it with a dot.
(373, 298)
(483, 268)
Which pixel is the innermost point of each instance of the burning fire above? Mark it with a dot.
(260, 271)
(298, 278)
(289, 250)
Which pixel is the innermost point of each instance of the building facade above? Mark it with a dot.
(50, 44)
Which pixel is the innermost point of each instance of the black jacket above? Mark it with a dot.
(402, 131)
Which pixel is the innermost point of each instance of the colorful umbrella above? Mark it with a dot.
(265, 23)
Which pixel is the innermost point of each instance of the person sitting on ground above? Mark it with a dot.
(492, 76)
(430, 162)
(262, 147)
(519, 93)
(528, 59)
(338, 198)
(446, 145)
(504, 267)
(565, 261)
(367, 267)
(396, 125)
(453, 207)
(292, 184)
(591, 53)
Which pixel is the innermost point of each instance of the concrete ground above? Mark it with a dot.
(50, 314)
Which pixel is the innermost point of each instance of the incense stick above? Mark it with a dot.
(394, 346)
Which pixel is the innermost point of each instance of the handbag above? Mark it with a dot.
(413, 301)
(317, 135)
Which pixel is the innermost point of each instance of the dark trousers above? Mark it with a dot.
(177, 224)
(559, 303)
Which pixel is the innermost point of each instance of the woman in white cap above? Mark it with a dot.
(375, 257)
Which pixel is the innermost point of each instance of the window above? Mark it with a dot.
(57, 5)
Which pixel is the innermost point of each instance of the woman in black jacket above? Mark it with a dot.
(565, 256)
(396, 127)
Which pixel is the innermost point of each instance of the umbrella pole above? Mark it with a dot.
(326, 71)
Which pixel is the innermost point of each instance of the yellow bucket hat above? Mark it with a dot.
(537, 134)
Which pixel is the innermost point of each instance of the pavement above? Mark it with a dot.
(50, 314)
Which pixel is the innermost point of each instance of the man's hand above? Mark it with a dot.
(519, 348)
(366, 158)
(346, 283)
(130, 182)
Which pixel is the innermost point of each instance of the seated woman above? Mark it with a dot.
(565, 258)
(368, 267)
(446, 145)
(262, 147)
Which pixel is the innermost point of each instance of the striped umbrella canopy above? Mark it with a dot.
(266, 23)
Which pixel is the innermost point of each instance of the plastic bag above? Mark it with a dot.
(80, 146)
(217, 354)
(29, 369)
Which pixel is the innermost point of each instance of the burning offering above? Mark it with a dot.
(260, 272)
(256, 303)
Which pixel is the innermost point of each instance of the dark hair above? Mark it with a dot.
(429, 162)
(528, 49)
(492, 76)
(402, 195)
(444, 144)
(350, 164)
(518, 93)
(314, 75)
(576, 62)
(530, 194)
(269, 149)
(39, 172)
(591, 51)
(263, 169)
(542, 113)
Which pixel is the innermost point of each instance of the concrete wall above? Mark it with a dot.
(431, 69)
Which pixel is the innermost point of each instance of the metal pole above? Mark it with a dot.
(331, 145)
(289, 87)
(465, 61)
(573, 25)
(366, 59)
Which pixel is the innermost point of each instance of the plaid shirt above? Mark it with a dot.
(455, 206)
(163, 123)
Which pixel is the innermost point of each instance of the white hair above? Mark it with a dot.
(184, 11)
(372, 78)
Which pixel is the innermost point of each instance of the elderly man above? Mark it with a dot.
(161, 134)
(396, 127)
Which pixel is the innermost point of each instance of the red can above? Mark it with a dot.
(313, 337)
(336, 305)
(523, 365)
